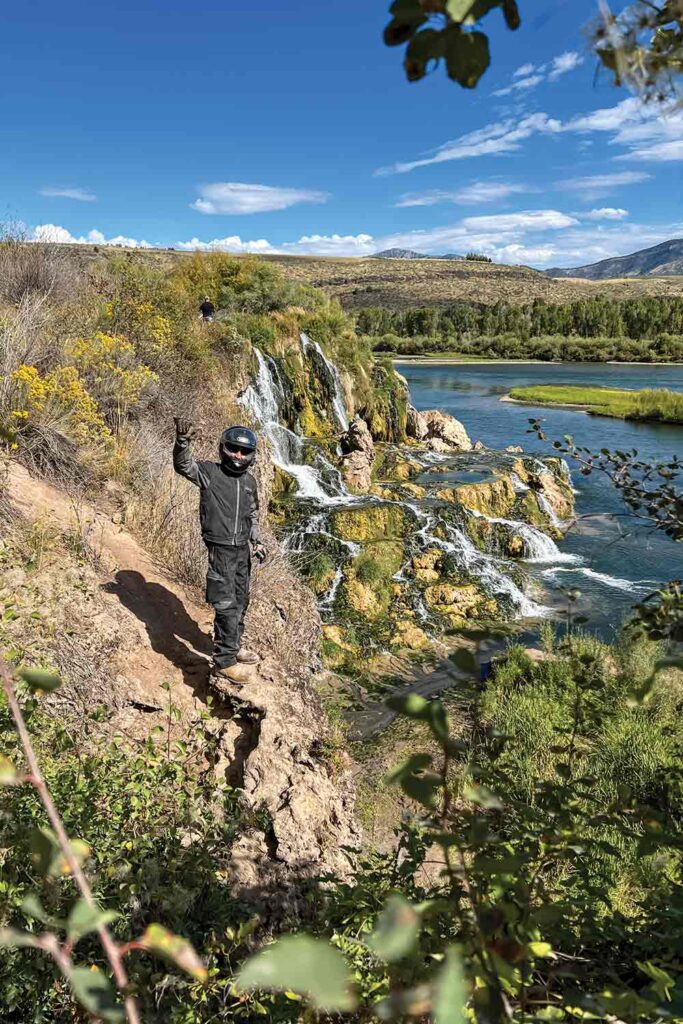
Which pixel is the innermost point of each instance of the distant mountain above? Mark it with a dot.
(399, 254)
(410, 254)
(664, 259)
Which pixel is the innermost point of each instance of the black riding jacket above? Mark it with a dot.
(228, 504)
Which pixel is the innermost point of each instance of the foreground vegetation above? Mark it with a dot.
(648, 404)
(537, 873)
(592, 330)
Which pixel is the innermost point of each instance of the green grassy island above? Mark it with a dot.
(648, 404)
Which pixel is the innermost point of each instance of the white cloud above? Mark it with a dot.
(491, 140)
(565, 62)
(333, 245)
(605, 213)
(527, 220)
(662, 151)
(520, 84)
(57, 234)
(81, 195)
(476, 192)
(607, 119)
(237, 197)
(604, 182)
(232, 243)
(528, 76)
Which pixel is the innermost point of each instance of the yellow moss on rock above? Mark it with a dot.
(457, 603)
(425, 565)
(369, 523)
(491, 497)
(409, 635)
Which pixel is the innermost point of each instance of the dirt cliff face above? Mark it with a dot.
(94, 604)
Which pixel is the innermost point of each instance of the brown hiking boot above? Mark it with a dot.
(234, 673)
(245, 657)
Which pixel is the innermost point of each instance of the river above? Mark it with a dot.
(616, 561)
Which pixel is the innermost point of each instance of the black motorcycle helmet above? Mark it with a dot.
(237, 439)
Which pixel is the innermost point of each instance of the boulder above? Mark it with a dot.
(446, 428)
(514, 449)
(416, 425)
(358, 438)
(479, 446)
(359, 451)
(357, 472)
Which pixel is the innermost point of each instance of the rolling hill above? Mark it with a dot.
(663, 260)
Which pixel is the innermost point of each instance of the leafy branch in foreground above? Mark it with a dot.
(437, 30)
(642, 46)
(56, 854)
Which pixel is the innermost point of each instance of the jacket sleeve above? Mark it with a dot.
(185, 463)
(254, 529)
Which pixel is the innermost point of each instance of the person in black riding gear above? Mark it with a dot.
(228, 512)
(207, 309)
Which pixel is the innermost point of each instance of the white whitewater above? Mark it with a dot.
(630, 586)
(262, 399)
(476, 563)
(537, 546)
(338, 403)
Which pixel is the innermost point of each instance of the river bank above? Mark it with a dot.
(444, 359)
(647, 405)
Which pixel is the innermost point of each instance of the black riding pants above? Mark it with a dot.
(227, 589)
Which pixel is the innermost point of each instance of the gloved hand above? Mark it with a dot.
(259, 553)
(184, 431)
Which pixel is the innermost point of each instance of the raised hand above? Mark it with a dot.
(184, 431)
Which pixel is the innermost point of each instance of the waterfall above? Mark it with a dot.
(334, 379)
(262, 399)
(518, 484)
(548, 509)
(327, 601)
(476, 563)
(537, 546)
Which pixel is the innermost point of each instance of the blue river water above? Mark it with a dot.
(618, 561)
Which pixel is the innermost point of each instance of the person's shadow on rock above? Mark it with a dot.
(172, 632)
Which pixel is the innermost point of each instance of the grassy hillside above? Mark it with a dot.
(649, 404)
(399, 284)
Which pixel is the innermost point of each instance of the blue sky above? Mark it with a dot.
(290, 128)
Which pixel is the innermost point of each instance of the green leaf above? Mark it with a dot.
(422, 788)
(299, 963)
(32, 907)
(10, 938)
(511, 14)
(8, 773)
(412, 705)
(40, 679)
(450, 996)
(396, 931)
(400, 29)
(413, 764)
(483, 796)
(95, 992)
(662, 983)
(43, 847)
(542, 949)
(161, 941)
(467, 57)
(424, 46)
(85, 918)
(459, 9)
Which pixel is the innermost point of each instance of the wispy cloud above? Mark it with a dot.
(528, 76)
(604, 182)
(81, 195)
(605, 213)
(564, 63)
(491, 140)
(237, 197)
(231, 243)
(649, 132)
(476, 192)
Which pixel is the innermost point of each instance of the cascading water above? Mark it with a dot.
(334, 380)
(262, 399)
(537, 546)
(548, 510)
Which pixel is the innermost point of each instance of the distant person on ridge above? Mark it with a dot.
(228, 512)
(207, 310)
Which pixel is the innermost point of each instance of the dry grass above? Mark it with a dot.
(361, 282)
(35, 269)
